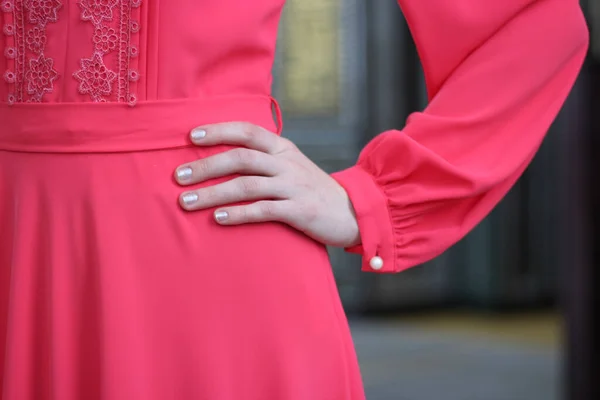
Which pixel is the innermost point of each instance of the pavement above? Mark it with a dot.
(403, 360)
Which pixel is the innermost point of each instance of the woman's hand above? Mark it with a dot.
(282, 183)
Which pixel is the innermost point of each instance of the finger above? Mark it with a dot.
(241, 134)
(244, 188)
(260, 211)
(237, 161)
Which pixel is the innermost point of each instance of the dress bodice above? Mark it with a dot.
(135, 50)
(497, 74)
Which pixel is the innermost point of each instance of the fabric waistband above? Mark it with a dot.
(117, 127)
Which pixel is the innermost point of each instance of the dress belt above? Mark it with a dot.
(117, 127)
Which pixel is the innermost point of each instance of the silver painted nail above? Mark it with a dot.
(198, 134)
(221, 216)
(190, 198)
(184, 173)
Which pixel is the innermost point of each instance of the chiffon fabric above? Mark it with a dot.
(109, 290)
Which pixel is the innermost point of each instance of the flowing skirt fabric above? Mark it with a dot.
(108, 290)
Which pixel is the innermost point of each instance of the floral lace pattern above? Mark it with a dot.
(36, 40)
(108, 74)
(113, 28)
(40, 76)
(95, 78)
(42, 11)
(30, 73)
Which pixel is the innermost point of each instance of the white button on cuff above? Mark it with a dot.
(376, 263)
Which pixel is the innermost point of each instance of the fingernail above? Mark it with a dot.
(184, 173)
(198, 134)
(221, 216)
(190, 198)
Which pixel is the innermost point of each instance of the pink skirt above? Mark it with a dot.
(108, 290)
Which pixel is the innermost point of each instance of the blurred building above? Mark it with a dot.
(347, 70)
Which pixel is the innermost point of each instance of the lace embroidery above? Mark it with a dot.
(112, 35)
(40, 76)
(95, 78)
(30, 73)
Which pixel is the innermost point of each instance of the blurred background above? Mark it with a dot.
(506, 314)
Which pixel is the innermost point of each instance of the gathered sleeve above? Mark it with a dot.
(497, 74)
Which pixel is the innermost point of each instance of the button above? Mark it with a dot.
(10, 76)
(9, 29)
(133, 75)
(132, 100)
(134, 26)
(7, 6)
(10, 52)
(376, 263)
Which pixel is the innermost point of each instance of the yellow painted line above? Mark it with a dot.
(540, 329)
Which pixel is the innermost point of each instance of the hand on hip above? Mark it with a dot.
(281, 183)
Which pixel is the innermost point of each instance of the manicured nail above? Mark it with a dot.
(221, 216)
(190, 198)
(198, 134)
(184, 173)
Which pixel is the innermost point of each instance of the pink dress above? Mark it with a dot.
(108, 290)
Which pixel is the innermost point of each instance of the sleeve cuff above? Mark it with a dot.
(374, 222)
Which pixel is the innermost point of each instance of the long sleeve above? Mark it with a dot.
(497, 74)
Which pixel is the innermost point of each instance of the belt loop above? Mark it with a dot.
(278, 116)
